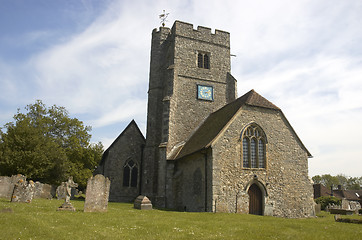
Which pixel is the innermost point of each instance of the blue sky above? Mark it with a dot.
(92, 57)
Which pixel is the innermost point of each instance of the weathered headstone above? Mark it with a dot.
(345, 204)
(23, 191)
(61, 191)
(7, 185)
(96, 198)
(43, 190)
(143, 203)
(67, 206)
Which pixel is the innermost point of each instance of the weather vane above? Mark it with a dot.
(163, 18)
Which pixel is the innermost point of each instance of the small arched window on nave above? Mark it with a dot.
(253, 147)
(130, 174)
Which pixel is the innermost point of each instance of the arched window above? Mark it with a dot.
(203, 60)
(130, 174)
(254, 140)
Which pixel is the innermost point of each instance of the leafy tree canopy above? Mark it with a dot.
(351, 183)
(47, 145)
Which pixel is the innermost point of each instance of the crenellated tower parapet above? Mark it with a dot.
(204, 34)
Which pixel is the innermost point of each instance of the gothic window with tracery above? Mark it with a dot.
(130, 174)
(253, 142)
(203, 60)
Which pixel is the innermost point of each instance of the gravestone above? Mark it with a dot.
(7, 185)
(23, 191)
(143, 203)
(43, 190)
(96, 198)
(61, 191)
(67, 206)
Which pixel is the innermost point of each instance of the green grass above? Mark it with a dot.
(40, 220)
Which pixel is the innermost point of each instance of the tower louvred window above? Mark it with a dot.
(200, 60)
(203, 60)
(206, 61)
(254, 140)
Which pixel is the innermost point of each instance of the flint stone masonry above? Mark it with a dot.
(23, 191)
(96, 199)
(142, 203)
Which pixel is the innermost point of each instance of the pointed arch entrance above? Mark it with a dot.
(255, 200)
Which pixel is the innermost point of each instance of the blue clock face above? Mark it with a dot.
(205, 93)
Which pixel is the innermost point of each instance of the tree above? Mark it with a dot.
(346, 182)
(46, 145)
(327, 200)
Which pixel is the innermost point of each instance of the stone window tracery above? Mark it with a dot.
(253, 141)
(130, 174)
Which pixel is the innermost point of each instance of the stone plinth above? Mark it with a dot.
(96, 198)
(66, 206)
(143, 203)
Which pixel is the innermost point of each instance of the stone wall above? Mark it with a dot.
(288, 191)
(173, 108)
(186, 111)
(189, 184)
(128, 146)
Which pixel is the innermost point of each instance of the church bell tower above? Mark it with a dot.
(189, 79)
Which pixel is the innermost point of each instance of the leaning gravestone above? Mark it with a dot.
(23, 191)
(143, 203)
(96, 198)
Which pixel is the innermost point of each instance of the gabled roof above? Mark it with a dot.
(132, 123)
(216, 121)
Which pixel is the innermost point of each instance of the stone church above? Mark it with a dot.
(206, 149)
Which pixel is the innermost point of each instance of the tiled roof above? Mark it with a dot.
(216, 121)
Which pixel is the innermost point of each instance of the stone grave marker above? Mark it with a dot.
(143, 203)
(67, 206)
(23, 191)
(97, 193)
(43, 190)
(7, 185)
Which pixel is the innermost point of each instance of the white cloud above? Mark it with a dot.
(125, 111)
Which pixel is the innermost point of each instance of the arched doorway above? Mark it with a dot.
(255, 200)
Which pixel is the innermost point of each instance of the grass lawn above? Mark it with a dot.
(40, 220)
